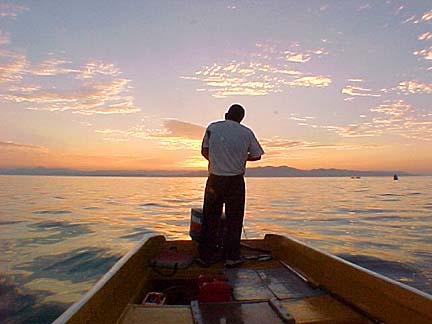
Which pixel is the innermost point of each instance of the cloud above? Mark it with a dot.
(14, 146)
(99, 97)
(427, 16)
(354, 130)
(395, 117)
(311, 81)
(297, 57)
(424, 53)
(354, 91)
(94, 68)
(12, 66)
(400, 118)
(97, 88)
(364, 7)
(171, 134)
(19, 154)
(11, 9)
(177, 128)
(391, 117)
(277, 148)
(269, 70)
(414, 87)
(393, 109)
(357, 89)
(4, 38)
(238, 79)
(425, 36)
(277, 144)
(297, 117)
(181, 144)
(52, 66)
(54, 84)
(411, 19)
(424, 18)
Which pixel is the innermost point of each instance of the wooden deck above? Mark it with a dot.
(255, 284)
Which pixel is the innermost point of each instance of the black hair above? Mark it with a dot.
(236, 113)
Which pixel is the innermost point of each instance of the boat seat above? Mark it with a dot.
(235, 313)
(321, 310)
(265, 284)
(140, 314)
(311, 310)
(289, 295)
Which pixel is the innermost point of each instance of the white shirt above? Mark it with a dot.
(229, 144)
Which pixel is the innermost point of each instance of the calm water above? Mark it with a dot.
(59, 235)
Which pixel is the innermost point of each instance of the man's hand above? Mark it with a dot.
(253, 158)
(205, 152)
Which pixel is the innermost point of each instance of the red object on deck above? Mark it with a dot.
(154, 299)
(171, 258)
(214, 288)
(196, 223)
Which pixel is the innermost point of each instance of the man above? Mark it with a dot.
(227, 145)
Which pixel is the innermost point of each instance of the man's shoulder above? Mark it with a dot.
(216, 123)
(245, 128)
(228, 124)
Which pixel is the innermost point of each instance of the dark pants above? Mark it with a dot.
(228, 190)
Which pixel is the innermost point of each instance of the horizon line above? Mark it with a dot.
(260, 171)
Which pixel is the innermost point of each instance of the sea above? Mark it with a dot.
(59, 235)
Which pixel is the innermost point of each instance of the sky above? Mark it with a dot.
(132, 85)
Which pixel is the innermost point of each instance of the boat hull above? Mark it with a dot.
(348, 290)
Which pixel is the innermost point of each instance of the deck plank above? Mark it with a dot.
(139, 314)
(321, 310)
(285, 284)
(239, 313)
(264, 284)
(247, 285)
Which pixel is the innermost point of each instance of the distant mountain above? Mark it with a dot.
(99, 173)
(267, 171)
(284, 171)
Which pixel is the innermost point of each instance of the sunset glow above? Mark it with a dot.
(132, 85)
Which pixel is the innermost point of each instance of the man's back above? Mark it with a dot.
(230, 144)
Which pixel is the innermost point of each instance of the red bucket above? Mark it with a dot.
(214, 289)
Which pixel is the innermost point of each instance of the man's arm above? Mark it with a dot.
(205, 144)
(205, 152)
(253, 158)
(255, 149)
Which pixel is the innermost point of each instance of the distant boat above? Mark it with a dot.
(355, 177)
(395, 177)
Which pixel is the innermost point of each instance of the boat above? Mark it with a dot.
(395, 177)
(297, 284)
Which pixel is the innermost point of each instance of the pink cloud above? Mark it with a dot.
(11, 9)
(269, 70)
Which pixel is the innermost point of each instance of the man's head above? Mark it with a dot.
(235, 113)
